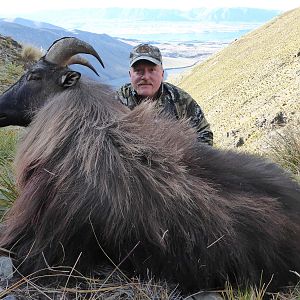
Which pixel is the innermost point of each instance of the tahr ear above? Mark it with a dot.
(69, 78)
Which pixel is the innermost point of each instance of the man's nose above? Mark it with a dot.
(145, 75)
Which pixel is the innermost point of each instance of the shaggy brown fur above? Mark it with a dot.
(90, 172)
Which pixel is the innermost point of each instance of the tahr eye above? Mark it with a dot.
(34, 76)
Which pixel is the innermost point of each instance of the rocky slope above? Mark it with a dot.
(11, 62)
(251, 89)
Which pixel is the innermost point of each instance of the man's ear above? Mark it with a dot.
(69, 78)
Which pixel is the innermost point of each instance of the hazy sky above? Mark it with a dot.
(16, 7)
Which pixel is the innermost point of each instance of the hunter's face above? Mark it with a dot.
(146, 78)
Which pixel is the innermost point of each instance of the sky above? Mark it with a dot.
(17, 8)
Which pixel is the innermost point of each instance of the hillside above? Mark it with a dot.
(11, 62)
(251, 88)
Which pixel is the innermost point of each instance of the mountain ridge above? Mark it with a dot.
(236, 14)
(124, 22)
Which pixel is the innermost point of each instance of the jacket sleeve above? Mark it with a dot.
(187, 107)
(196, 115)
(121, 95)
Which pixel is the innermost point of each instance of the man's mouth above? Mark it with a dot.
(145, 84)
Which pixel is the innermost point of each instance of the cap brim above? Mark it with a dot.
(151, 59)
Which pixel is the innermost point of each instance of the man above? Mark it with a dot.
(147, 74)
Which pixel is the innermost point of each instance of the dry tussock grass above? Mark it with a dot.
(67, 283)
(284, 148)
(30, 53)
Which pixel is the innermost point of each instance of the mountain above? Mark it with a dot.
(249, 90)
(236, 14)
(30, 23)
(113, 52)
(240, 15)
(166, 24)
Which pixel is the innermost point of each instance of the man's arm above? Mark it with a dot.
(187, 107)
(122, 94)
(196, 115)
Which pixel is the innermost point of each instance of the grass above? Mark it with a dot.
(9, 71)
(284, 148)
(260, 293)
(113, 284)
(72, 285)
(8, 192)
(8, 141)
(12, 71)
(30, 53)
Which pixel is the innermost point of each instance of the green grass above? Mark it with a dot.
(8, 192)
(10, 72)
(260, 293)
(8, 141)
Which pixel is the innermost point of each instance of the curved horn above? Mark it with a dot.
(77, 59)
(63, 49)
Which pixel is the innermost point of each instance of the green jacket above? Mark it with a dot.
(176, 102)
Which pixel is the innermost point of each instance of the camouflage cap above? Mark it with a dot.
(146, 52)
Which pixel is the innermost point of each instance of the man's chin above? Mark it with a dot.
(145, 94)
